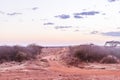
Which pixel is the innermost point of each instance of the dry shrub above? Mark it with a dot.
(90, 53)
(21, 56)
(29, 52)
(6, 53)
(34, 49)
(110, 59)
(19, 53)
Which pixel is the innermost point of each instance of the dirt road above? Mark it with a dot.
(50, 68)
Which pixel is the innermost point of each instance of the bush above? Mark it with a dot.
(88, 53)
(18, 53)
(91, 53)
(6, 53)
(110, 59)
(21, 56)
(34, 49)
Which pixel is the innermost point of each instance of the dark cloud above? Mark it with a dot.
(87, 13)
(117, 34)
(13, 14)
(48, 23)
(78, 16)
(111, 0)
(62, 27)
(35, 8)
(94, 32)
(63, 16)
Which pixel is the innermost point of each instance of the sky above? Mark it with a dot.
(59, 22)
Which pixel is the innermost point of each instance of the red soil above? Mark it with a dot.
(53, 69)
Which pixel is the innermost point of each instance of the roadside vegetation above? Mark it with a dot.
(91, 54)
(19, 53)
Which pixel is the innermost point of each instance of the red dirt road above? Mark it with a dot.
(56, 71)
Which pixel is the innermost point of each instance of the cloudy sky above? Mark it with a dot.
(59, 22)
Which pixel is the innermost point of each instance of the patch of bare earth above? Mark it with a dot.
(50, 67)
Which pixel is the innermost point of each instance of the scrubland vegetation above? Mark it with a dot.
(83, 62)
(76, 54)
(18, 53)
(92, 54)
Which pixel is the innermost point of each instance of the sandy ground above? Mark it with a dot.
(49, 67)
